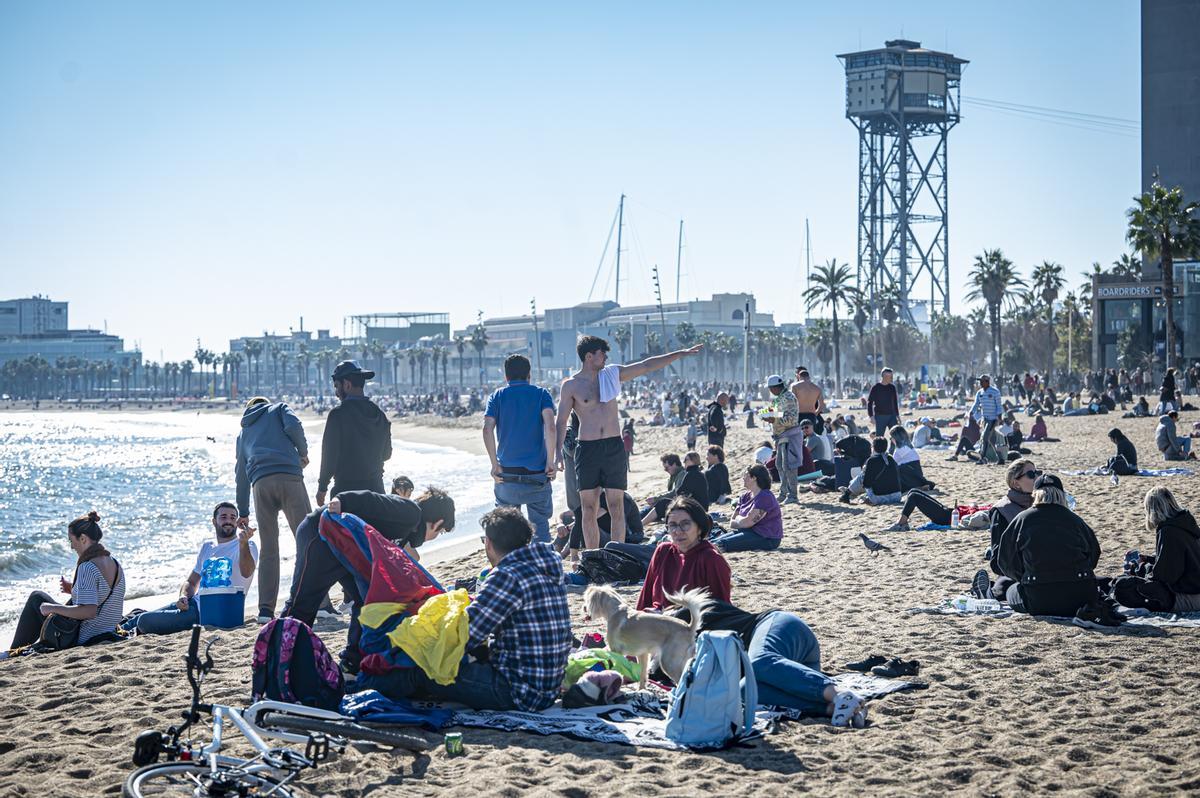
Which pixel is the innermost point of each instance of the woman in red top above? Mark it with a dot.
(687, 561)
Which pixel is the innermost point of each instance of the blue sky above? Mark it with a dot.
(211, 170)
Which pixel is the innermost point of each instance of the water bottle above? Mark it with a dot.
(982, 605)
(954, 516)
(1116, 480)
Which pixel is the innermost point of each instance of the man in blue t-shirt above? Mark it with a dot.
(519, 435)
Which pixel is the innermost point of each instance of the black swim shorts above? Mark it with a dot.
(601, 464)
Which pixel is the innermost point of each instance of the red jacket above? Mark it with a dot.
(672, 571)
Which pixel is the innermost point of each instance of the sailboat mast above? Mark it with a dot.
(620, 227)
(807, 255)
(678, 260)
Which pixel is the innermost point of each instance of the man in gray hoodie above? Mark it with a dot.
(271, 455)
(1171, 445)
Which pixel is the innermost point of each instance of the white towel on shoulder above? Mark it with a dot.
(610, 382)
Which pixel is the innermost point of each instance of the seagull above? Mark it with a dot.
(871, 545)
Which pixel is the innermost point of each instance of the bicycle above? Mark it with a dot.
(200, 770)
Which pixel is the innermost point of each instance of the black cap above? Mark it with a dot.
(1047, 481)
(350, 368)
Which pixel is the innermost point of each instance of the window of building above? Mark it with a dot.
(1120, 314)
(737, 314)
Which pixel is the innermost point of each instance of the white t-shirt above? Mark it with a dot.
(231, 551)
(763, 454)
(905, 454)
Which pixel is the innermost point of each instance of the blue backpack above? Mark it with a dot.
(715, 700)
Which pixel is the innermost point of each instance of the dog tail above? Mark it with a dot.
(695, 601)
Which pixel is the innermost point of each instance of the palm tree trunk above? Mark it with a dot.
(1168, 285)
(837, 353)
(995, 342)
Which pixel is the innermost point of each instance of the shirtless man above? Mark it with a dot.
(809, 399)
(600, 459)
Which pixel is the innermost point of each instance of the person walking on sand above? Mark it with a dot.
(358, 436)
(518, 434)
(600, 459)
(715, 420)
(272, 453)
(883, 403)
(987, 409)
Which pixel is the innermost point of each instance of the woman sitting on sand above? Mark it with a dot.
(1049, 555)
(968, 439)
(908, 462)
(757, 521)
(786, 659)
(1124, 462)
(97, 590)
(1021, 474)
(1169, 580)
(685, 561)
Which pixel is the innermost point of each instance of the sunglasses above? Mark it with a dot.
(1032, 474)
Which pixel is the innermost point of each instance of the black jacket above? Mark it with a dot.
(395, 518)
(717, 476)
(695, 485)
(881, 474)
(716, 418)
(1177, 555)
(357, 441)
(856, 447)
(1126, 449)
(1048, 544)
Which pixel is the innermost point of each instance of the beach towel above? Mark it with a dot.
(610, 382)
(1101, 471)
(373, 706)
(640, 718)
(1136, 619)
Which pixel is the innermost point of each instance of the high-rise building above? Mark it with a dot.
(33, 315)
(1171, 94)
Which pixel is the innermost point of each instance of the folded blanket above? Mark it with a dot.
(1142, 472)
(640, 718)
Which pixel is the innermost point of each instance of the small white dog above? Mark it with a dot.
(653, 638)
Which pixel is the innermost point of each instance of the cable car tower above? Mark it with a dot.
(904, 100)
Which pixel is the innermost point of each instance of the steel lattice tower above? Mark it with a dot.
(903, 100)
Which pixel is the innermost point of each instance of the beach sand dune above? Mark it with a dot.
(1013, 705)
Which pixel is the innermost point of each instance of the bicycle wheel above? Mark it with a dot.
(344, 728)
(196, 779)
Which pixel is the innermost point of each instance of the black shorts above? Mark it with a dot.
(601, 464)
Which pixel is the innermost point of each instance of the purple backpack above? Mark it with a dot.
(292, 664)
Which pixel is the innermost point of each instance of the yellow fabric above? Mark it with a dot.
(373, 615)
(436, 637)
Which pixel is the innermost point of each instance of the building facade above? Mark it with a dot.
(37, 327)
(1136, 311)
(34, 315)
(1171, 94)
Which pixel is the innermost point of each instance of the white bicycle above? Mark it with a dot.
(200, 770)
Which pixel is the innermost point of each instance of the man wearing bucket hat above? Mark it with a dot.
(358, 436)
(223, 565)
(784, 416)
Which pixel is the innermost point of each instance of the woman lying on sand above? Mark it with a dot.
(1020, 476)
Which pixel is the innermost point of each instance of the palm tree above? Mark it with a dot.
(422, 359)
(832, 285)
(817, 336)
(994, 279)
(395, 354)
(254, 350)
(412, 367)
(460, 344)
(273, 350)
(379, 349)
(186, 367)
(303, 358)
(686, 335)
(1163, 225)
(479, 342)
(1047, 282)
(1126, 267)
(621, 337)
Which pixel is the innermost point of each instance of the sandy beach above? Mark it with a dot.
(1013, 705)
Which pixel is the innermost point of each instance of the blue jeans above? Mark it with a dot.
(883, 423)
(538, 500)
(166, 621)
(787, 664)
(478, 685)
(745, 540)
(887, 498)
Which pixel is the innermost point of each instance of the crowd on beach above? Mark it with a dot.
(1043, 556)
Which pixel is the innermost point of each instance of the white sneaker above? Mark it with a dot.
(263, 619)
(847, 706)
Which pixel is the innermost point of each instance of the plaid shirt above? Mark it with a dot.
(523, 605)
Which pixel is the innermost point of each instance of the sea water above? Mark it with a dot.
(155, 477)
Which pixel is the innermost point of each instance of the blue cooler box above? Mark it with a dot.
(223, 607)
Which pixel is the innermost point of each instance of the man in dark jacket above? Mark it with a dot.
(1051, 555)
(690, 483)
(271, 453)
(883, 403)
(880, 477)
(405, 522)
(358, 436)
(716, 420)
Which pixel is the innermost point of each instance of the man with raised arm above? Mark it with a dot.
(810, 403)
(600, 459)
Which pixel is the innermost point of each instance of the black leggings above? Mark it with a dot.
(934, 509)
(29, 627)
